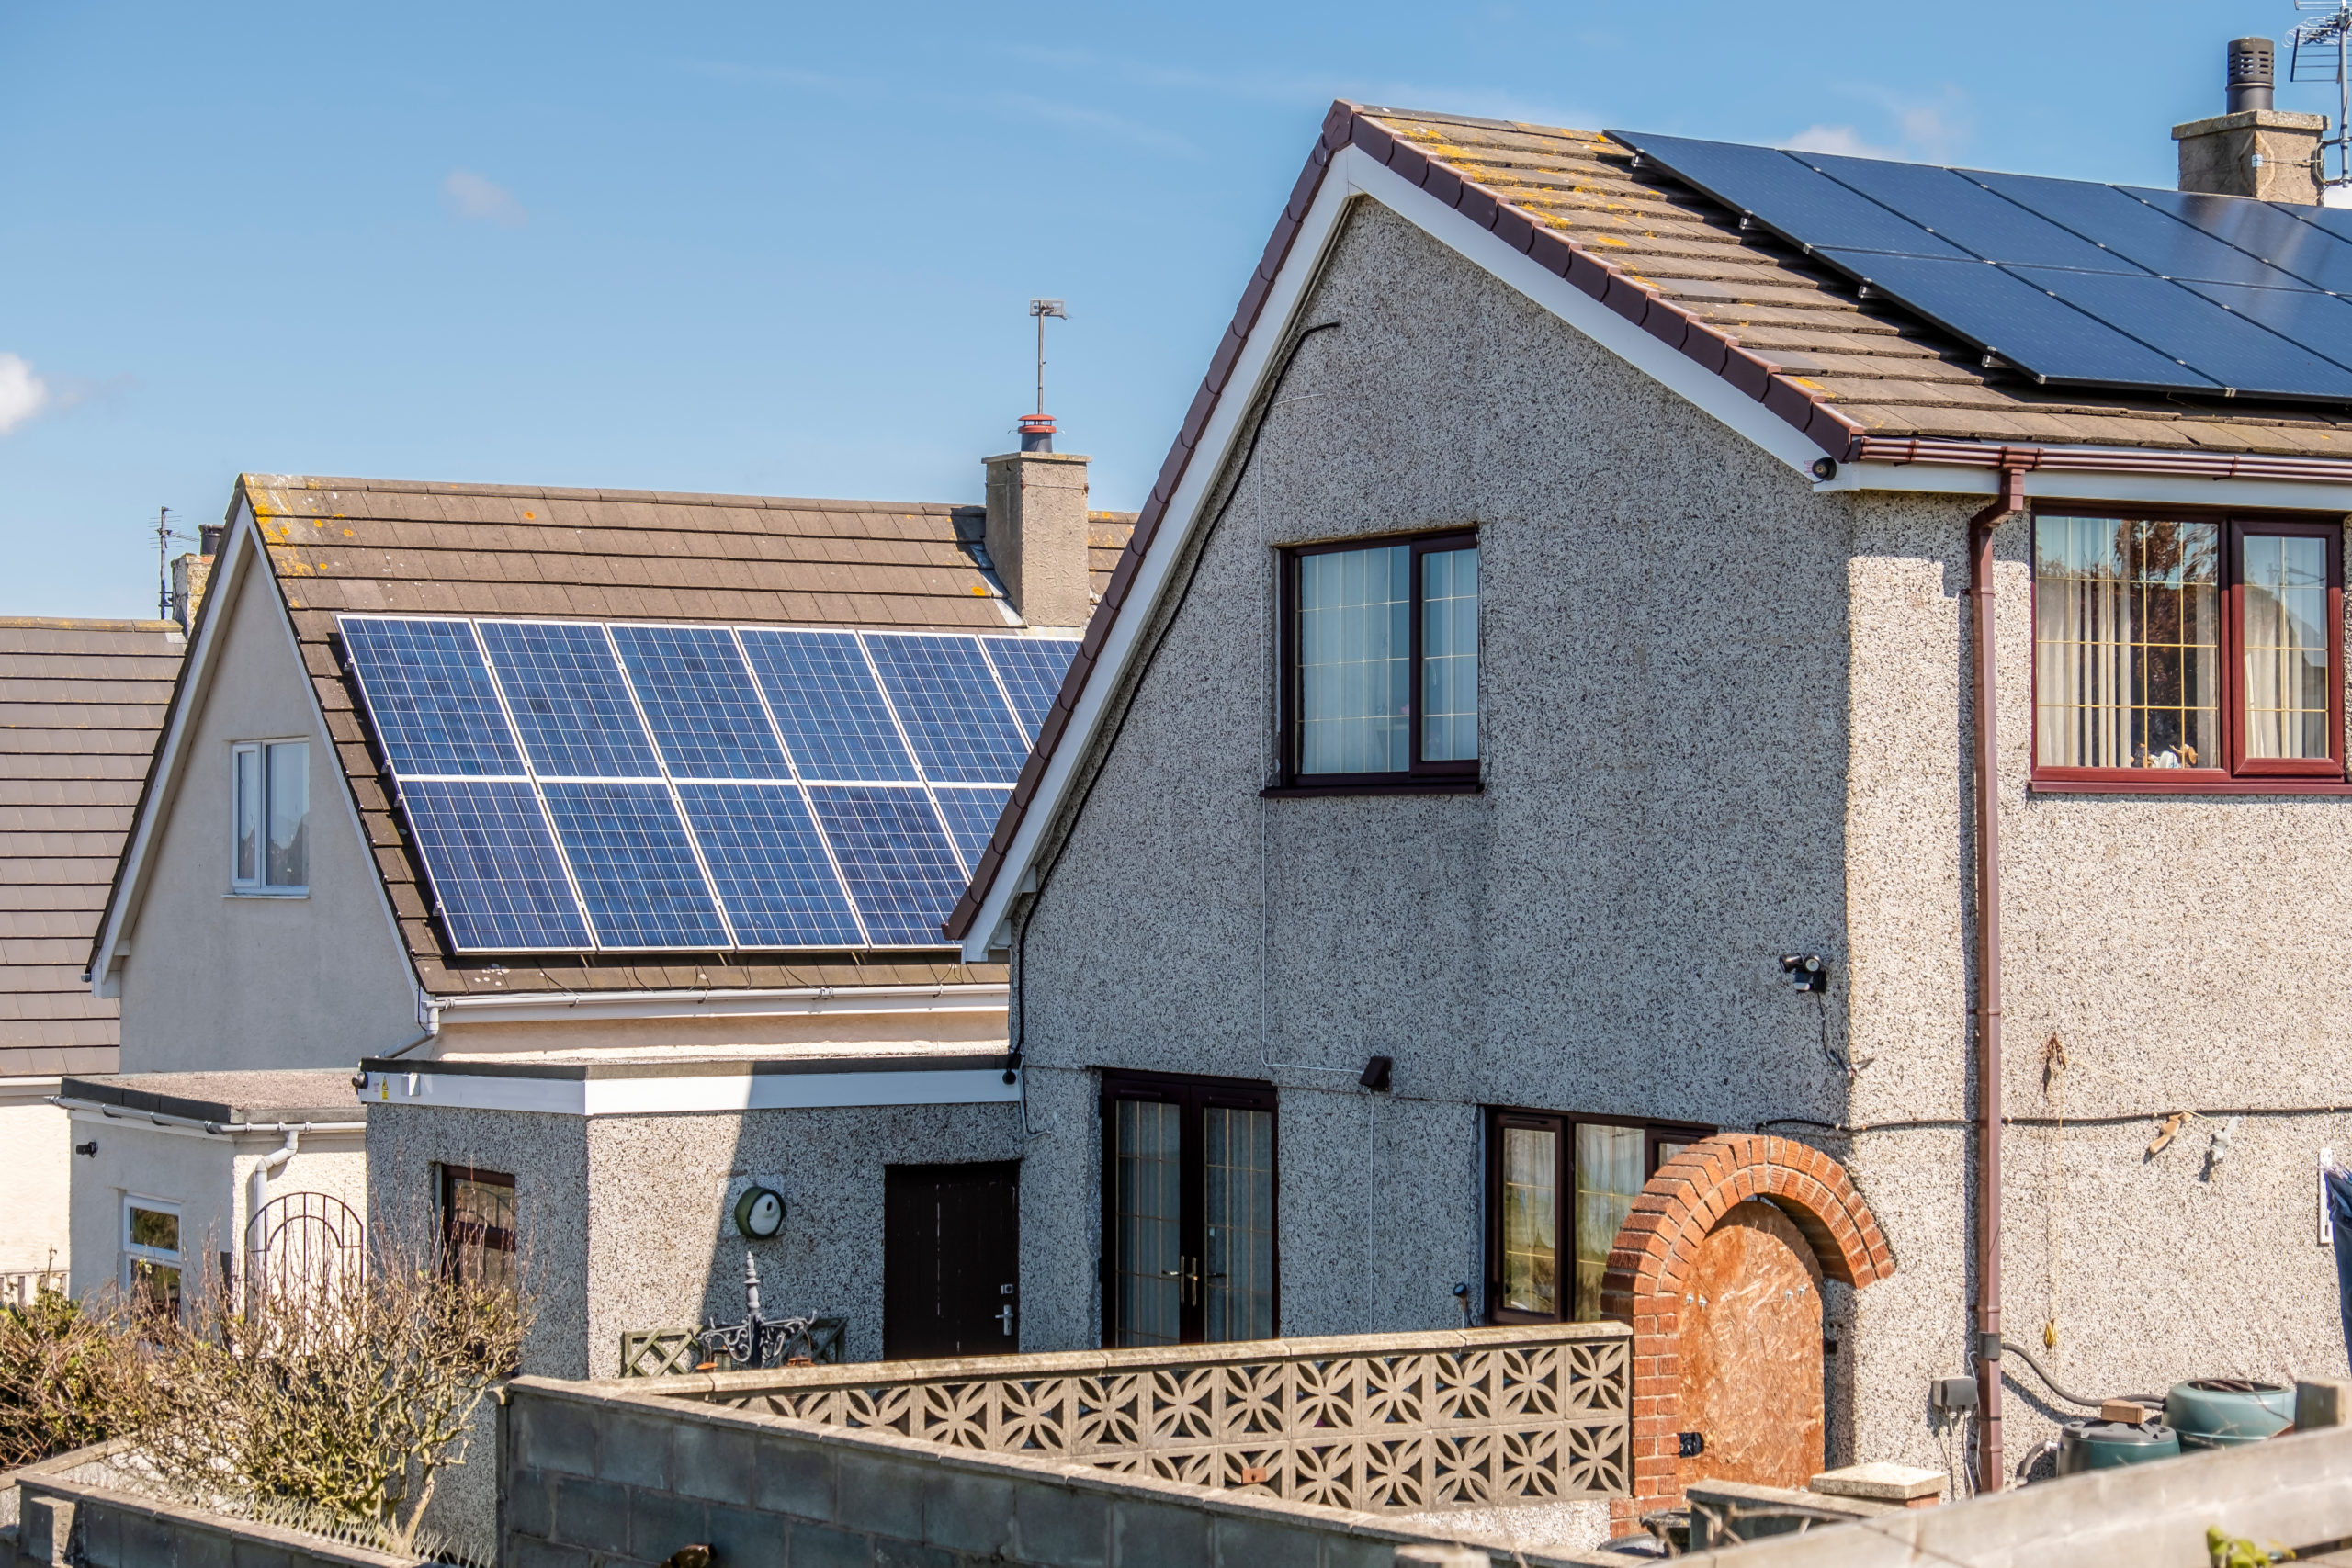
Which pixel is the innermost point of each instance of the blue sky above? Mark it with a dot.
(786, 248)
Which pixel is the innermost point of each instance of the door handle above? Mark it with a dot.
(1004, 1316)
(1193, 1279)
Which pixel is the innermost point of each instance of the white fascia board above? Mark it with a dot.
(686, 1095)
(239, 549)
(816, 1000)
(2151, 489)
(1671, 367)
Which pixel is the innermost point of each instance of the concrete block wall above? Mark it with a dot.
(64, 1523)
(593, 1476)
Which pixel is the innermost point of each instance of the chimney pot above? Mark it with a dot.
(2250, 74)
(1036, 432)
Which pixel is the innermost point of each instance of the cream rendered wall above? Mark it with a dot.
(34, 1180)
(1665, 670)
(205, 1174)
(217, 983)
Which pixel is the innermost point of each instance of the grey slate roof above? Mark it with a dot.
(80, 703)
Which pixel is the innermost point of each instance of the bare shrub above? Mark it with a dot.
(340, 1395)
(65, 1380)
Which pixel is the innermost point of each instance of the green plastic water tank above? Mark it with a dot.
(2221, 1412)
(2102, 1445)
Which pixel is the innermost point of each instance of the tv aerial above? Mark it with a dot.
(2320, 49)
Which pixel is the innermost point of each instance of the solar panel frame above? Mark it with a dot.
(971, 813)
(932, 680)
(1031, 670)
(651, 895)
(569, 700)
(455, 725)
(515, 846)
(752, 858)
(2197, 332)
(855, 735)
(680, 703)
(875, 832)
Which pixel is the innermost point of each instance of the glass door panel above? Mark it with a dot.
(1241, 1200)
(1189, 1170)
(1150, 1221)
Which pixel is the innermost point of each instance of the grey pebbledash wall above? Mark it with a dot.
(1726, 718)
(607, 1477)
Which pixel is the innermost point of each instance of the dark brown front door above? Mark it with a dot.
(1751, 1353)
(951, 1260)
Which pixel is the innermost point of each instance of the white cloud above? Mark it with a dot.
(468, 195)
(22, 393)
(1841, 140)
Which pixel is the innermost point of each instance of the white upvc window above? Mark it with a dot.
(151, 1258)
(270, 791)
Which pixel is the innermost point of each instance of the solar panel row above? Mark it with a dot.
(573, 785)
(2069, 280)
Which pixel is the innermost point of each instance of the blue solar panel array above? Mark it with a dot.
(573, 786)
(2070, 281)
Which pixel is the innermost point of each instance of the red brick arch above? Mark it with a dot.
(1661, 1241)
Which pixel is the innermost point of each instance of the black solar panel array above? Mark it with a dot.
(2069, 280)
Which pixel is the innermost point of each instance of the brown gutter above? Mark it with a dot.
(1350, 124)
(2066, 460)
(1992, 1474)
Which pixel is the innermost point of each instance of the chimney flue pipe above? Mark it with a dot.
(2251, 76)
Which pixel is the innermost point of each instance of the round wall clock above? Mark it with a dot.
(759, 1213)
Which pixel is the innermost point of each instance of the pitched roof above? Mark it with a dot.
(1884, 372)
(1860, 378)
(80, 706)
(337, 544)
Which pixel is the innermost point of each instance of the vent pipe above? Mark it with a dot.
(2251, 76)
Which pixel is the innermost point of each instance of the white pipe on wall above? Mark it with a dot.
(257, 1194)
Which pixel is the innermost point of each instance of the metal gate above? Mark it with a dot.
(301, 1238)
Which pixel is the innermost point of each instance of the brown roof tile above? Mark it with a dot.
(80, 706)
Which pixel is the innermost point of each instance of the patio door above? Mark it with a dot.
(1188, 1210)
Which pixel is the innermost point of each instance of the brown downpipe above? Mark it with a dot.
(1991, 1473)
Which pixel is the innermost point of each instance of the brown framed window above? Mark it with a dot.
(1380, 662)
(2186, 652)
(478, 1224)
(1188, 1210)
(1558, 1190)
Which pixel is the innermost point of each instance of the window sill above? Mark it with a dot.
(1387, 786)
(265, 892)
(2191, 786)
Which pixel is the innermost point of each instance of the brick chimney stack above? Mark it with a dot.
(1036, 527)
(191, 575)
(2252, 148)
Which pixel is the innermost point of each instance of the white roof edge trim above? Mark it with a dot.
(544, 1007)
(2160, 489)
(241, 547)
(732, 1092)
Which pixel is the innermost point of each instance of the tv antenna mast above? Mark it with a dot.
(1041, 309)
(164, 534)
(2322, 53)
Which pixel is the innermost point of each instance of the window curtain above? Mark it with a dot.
(2286, 646)
(2127, 646)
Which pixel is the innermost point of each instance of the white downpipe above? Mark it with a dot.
(256, 1195)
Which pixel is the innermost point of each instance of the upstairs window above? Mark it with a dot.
(2186, 652)
(1381, 663)
(271, 785)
